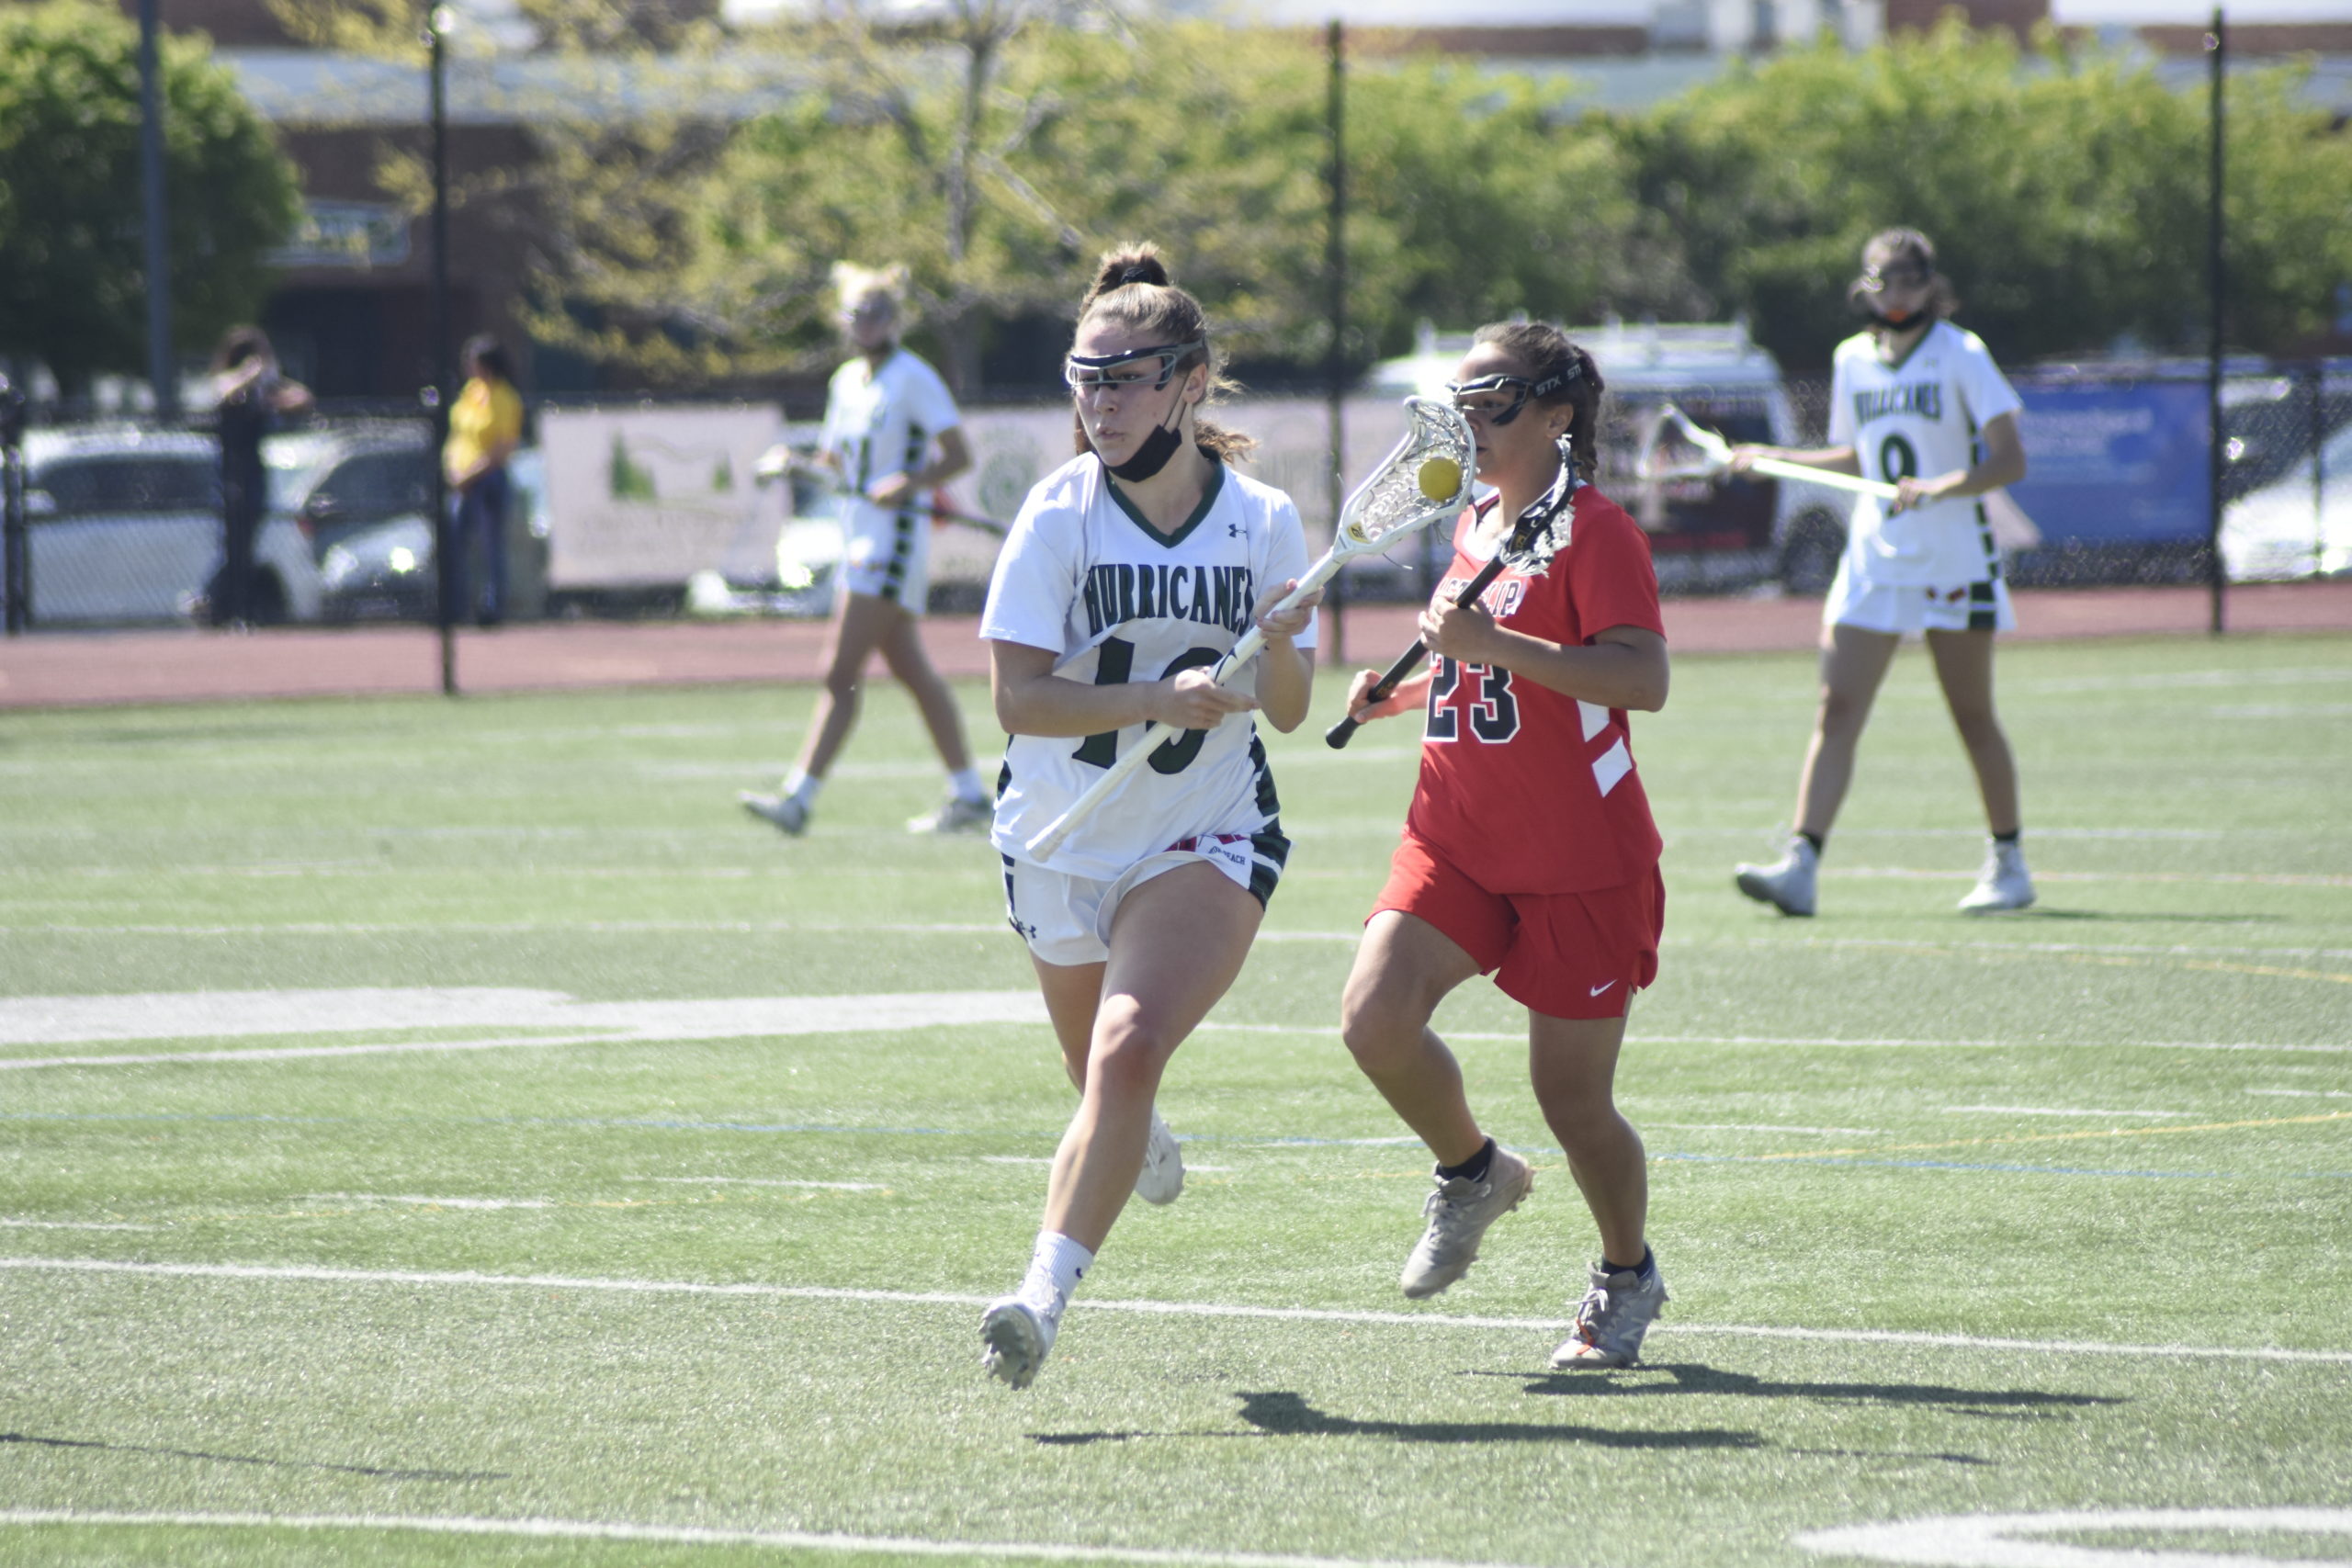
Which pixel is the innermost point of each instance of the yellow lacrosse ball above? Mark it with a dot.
(1439, 477)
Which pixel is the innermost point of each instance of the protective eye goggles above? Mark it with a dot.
(1902, 274)
(1472, 397)
(1129, 371)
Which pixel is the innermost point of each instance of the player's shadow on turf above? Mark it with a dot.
(2042, 912)
(1694, 1376)
(385, 1471)
(1289, 1415)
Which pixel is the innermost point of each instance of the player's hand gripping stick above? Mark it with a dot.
(1534, 528)
(1425, 477)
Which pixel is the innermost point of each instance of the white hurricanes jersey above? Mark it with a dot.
(1083, 577)
(1919, 417)
(883, 421)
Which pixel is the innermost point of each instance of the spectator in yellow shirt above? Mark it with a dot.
(485, 426)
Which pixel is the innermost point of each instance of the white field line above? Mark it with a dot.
(698, 1535)
(2052, 1111)
(423, 1203)
(2008, 1540)
(1955, 874)
(1760, 1127)
(461, 1277)
(72, 1225)
(2307, 1093)
(776, 1181)
(1867, 1042)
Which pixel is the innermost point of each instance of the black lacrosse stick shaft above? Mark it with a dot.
(1339, 735)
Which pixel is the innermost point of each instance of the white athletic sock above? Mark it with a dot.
(1055, 1270)
(802, 787)
(966, 782)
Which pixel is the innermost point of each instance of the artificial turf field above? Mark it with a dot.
(472, 1141)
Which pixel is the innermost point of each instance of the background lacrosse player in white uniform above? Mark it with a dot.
(885, 411)
(1913, 400)
(1129, 571)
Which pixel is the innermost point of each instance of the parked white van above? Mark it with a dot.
(1738, 533)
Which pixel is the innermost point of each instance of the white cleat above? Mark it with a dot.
(1015, 1338)
(1616, 1312)
(2004, 885)
(1161, 1179)
(1787, 883)
(782, 811)
(1459, 1212)
(955, 816)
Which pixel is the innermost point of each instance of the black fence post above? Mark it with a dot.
(437, 30)
(2217, 44)
(1335, 362)
(16, 553)
(2315, 405)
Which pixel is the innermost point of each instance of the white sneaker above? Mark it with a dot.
(1787, 883)
(1459, 1212)
(2003, 885)
(1617, 1309)
(1015, 1338)
(1161, 1180)
(780, 809)
(955, 816)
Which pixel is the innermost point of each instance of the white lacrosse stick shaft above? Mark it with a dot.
(1453, 440)
(1715, 452)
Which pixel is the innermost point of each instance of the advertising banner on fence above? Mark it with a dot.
(647, 497)
(2116, 463)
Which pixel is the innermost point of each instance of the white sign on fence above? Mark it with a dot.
(647, 497)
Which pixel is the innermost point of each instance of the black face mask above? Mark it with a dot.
(1163, 444)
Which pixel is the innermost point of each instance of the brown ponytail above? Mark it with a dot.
(1132, 289)
(1546, 352)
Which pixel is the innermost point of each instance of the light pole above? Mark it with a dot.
(437, 397)
(163, 364)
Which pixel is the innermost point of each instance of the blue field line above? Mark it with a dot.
(1948, 1164)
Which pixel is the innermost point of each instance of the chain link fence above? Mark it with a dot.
(643, 509)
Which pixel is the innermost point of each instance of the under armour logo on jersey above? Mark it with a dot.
(1233, 530)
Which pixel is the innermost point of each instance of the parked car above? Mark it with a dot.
(124, 526)
(385, 569)
(1731, 534)
(334, 480)
(2283, 531)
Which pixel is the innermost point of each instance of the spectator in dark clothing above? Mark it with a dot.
(249, 396)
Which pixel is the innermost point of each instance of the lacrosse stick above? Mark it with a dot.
(1710, 455)
(1425, 477)
(773, 468)
(1535, 539)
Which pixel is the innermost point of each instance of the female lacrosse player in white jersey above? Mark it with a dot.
(885, 413)
(1914, 401)
(1528, 853)
(1129, 571)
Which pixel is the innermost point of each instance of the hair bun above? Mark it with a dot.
(1141, 264)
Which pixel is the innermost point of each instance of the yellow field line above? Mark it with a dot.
(2065, 1137)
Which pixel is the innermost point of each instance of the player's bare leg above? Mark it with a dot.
(902, 650)
(1964, 668)
(1404, 967)
(864, 623)
(1853, 664)
(1177, 943)
(1573, 1062)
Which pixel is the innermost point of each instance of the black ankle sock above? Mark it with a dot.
(1642, 1270)
(2008, 838)
(1474, 1169)
(1815, 839)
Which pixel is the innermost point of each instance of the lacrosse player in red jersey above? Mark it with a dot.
(1129, 571)
(1918, 402)
(1529, 851)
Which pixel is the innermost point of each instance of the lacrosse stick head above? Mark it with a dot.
(1426, 477)
(1679, 448)
(1540, 531)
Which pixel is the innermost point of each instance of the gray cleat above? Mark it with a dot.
(1459, 1212)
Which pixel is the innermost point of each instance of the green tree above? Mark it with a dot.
(2066, 192)
(73, 279)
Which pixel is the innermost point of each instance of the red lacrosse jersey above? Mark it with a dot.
(1523, 789)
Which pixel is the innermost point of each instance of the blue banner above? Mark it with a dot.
(2116, 463)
